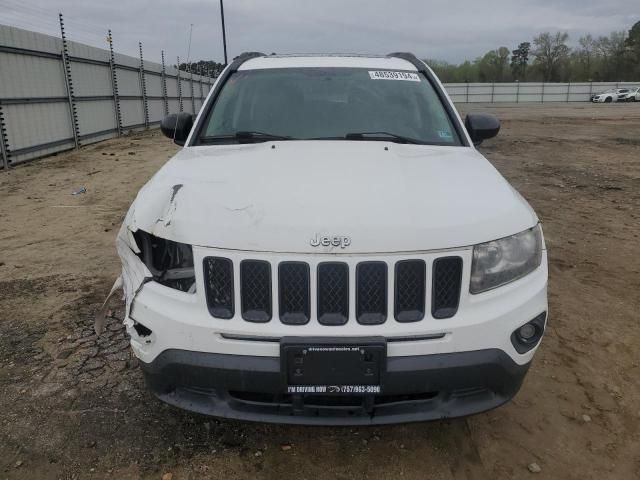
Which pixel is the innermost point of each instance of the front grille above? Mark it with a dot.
(447, 279)
(371, 293)
(333, 293)
(255, 290)
(294, 293)
(410, 290)
(218, 286)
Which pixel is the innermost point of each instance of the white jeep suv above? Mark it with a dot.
(329, 247)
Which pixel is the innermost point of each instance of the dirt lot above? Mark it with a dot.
(74, 406)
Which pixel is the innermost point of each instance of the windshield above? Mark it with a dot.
(328, 103)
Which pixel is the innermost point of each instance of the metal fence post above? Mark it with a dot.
(493, 88)
(179, 87)
(4, 142)
(542, 98)
(164, 87)
(590, 89)
(193, 99)
(568, 90)
(73, 112)
(467, 93)
(143, 89)
(517, 91)
(114, 85)
(201, 92)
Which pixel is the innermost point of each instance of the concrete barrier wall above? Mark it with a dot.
(524, 92)
(46, 107)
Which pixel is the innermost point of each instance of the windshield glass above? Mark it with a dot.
(328, 103)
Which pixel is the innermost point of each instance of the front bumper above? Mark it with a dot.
(181, 321)
(414, 388)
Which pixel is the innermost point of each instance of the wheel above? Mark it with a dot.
(608, 100)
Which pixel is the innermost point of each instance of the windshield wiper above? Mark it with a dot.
(245, 136)
(384, 136)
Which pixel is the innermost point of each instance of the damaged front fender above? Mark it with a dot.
(134, 275)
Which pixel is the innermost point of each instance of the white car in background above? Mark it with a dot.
(611, 95)
(632, 96)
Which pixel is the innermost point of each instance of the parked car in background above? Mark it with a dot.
(608, 96)
(633, 95)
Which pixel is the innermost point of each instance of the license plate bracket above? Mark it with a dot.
(330, 366)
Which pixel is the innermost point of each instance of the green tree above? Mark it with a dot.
(203, 67)
(586, 56)
(633, 44)
(551, 53)
(609, 58)
(493, 65)
(613, 50)
(502, 60)
(520, 60)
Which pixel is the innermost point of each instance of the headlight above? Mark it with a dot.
(502, 261)
(170, 263)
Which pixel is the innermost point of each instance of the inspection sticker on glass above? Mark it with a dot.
(390, 75)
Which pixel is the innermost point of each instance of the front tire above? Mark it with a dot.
(608, 100)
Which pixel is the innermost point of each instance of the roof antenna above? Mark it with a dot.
(224, 33)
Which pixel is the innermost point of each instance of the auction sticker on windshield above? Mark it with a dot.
(391, 75)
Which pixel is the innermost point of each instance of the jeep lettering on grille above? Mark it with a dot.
(328, 241)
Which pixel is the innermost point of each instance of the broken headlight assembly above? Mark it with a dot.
(502, 261)
(170, 263)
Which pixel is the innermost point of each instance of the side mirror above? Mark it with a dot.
(177, 126)
(481, 126)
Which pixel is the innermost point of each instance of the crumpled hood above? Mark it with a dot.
(277, 196)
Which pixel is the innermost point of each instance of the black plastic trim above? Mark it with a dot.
(372, 318)
(448, 311)
(256, 316)
(289, 318)
(410, 316)
(226, 311)
(414, 388)
(540, 324)
(332, 318)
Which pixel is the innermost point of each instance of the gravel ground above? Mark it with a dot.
(75, 406)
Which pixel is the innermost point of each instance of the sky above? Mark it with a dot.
(453, 31)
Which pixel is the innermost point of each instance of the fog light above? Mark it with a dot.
(527, 332)
(527, 336)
